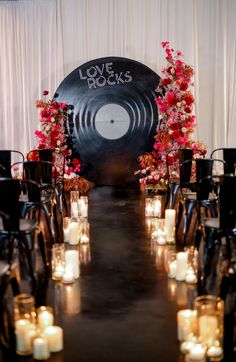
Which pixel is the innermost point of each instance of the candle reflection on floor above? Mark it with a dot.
(72, 298)
(84, 254)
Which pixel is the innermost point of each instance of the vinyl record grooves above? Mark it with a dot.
(114, 117)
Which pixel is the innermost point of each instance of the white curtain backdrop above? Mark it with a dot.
(42, 41)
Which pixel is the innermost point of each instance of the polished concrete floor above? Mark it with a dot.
(123, 307)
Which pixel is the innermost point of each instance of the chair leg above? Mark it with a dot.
(43, 250)
(30, 256)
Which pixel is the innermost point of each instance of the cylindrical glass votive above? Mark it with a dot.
(58, 261)
(83, 206)
(45, 317)
(210, 314)
(157, 207)
(171, 264)
(66, 223)
(25, 326)
(74, 203)
(148, 206)
(158, 234)
(84, 232)
(192, 269)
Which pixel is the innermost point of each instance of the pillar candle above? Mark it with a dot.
(170, 225)
(74, 233)
(182, 265)
(197, 353)
(54, 336)
(23, 337)
(40, 349)
(157, 208)
(72, 260)
(186, 323)
(66, 235)
(45, 317)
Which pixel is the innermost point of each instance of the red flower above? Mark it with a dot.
(45, 92)
(165, 82)
(187, 109)
(174, 126)
(183, 86)
(188, 98)
(171, 99)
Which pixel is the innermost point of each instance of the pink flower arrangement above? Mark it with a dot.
(52, 133)
(175, 102)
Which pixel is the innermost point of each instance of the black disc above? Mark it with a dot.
(114, 117)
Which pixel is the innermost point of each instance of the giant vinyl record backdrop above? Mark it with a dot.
(113, 116)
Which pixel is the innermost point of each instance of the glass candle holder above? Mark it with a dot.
(66, 223)
(158, 234)
(157, 206)
(84, 232)
(45, 317)
(148, 206)
(58, 261)
(171, 264)
(192, 269)
(83, 206)
(25, 323)
(74, 204)
(210, 314)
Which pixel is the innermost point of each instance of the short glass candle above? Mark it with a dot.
(58, 261)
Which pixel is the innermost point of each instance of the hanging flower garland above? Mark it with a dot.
(52, 134)
(175, 102)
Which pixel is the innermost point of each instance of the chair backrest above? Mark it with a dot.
(6, 161)
(10, 204)
(185, 168)
(229, 156)
(227, 197)
(54, 156)
(38, 171)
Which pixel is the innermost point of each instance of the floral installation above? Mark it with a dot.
(175, 102)
(52, 134)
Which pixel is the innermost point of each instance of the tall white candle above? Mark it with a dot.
(182, 265)
(23, 337)
(40, 349)
(54, 336)
(170, 225)
(74, 233)
(72, 260)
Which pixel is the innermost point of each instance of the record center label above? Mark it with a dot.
(103, 74)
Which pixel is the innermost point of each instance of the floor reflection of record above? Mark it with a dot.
(114, 116)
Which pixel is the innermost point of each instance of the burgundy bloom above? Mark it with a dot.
(45, 92)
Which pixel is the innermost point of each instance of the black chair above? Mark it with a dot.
(41, 171)
(25, 231)
(197, 201)
(56, 157)
(229, 156)
(6, 161)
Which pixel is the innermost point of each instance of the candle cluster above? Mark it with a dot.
(34, 330)
(65, 264)
(183, 266)
(162, 230)
(200, 330)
